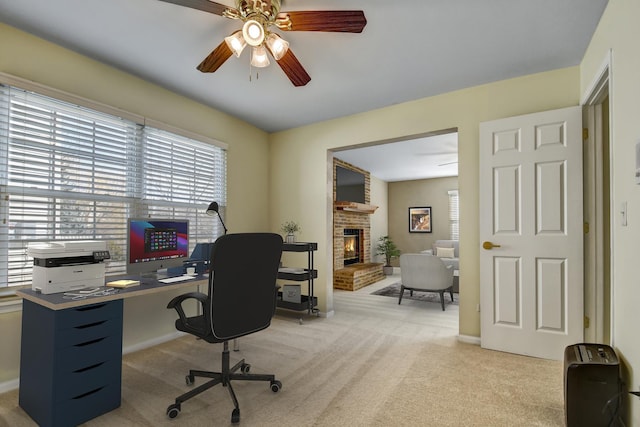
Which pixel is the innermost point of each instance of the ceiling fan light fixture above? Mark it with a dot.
(277, 46)
(236, 43)
(259, 58)
(253, 32)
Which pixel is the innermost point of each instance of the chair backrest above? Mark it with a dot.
(422, 271)
(242, 283)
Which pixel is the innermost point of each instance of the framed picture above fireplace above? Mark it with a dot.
(420, 220)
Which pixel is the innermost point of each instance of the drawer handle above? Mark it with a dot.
(88, 393)
(90, 325)
(89, 342)
(88, 368)
(90, 307)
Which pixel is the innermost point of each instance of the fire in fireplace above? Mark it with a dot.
(352, 246)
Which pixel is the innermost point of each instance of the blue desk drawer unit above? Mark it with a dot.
(70, 362)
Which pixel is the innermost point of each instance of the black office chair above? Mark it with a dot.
(241, 301)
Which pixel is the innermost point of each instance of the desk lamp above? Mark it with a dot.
(213, 210)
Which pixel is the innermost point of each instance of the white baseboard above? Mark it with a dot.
(9, 385)
(469, 339)
(152, 342)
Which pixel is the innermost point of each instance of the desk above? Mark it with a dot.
(71, 352)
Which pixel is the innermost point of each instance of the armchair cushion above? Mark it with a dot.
(443, 246)
(447, 244)
(445, 252)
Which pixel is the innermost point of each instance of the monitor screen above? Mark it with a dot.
(155, 244)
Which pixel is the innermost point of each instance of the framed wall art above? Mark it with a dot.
(420, 220)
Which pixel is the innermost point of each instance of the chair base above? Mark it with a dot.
(225, 377)
(440, 291)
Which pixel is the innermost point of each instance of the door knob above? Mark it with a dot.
(488, 246)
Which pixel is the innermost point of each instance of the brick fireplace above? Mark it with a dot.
(351, 271)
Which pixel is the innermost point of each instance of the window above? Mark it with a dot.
(69, 172)
(454, 223)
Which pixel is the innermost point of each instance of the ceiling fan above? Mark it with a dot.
(259, 16)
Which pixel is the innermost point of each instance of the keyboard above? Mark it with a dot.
(176, 279)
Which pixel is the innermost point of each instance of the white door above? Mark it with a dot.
(531, 281)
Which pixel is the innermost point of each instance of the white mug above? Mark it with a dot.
(191, 271)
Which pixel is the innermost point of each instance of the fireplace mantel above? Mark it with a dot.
(354, 207)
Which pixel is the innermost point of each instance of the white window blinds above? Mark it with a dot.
(454, 223)
(180, 178)
(67, 172)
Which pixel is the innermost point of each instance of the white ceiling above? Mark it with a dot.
(420, 158)
(409, 49)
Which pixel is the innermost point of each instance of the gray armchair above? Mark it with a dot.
(425, 273)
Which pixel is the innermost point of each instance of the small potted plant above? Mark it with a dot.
(290, 228)
(389, 249)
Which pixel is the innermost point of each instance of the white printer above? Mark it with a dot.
(62, 266)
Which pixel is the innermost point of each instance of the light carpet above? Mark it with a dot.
(375, 363)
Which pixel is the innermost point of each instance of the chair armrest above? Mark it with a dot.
(176, 303)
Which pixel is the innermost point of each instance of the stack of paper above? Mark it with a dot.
(123, 283)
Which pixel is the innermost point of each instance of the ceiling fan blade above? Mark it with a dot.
(216, 58)
(347, 21)
(293, 69)
(204, 5)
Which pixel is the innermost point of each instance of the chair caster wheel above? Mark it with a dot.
(173, 410)
(235, 416)
(276, 386)
(245, 368)
(189, 380)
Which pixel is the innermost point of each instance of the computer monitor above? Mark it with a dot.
(156, 244)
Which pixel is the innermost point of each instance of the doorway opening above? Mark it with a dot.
(418, 167)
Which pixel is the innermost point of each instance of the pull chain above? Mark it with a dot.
(251, 71)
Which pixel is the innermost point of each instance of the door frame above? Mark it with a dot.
(596, 253)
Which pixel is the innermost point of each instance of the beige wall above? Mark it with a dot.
(31, 58)
(424, 192)
(380, 219)
(10, 330)
(303, 152)
(619, 33)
